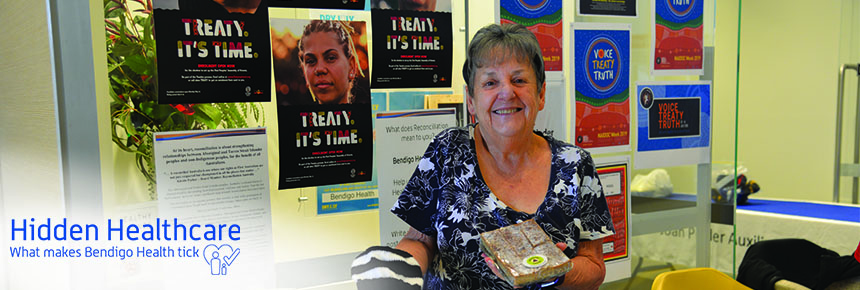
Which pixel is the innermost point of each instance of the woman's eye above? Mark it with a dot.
(310, 61)
(519, 81)
(489, 83)
(331, 58)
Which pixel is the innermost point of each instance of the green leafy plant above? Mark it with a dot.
(135, 112)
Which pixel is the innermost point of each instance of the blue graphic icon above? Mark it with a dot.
(219, 257)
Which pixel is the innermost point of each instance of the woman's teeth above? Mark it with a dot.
(507, 111)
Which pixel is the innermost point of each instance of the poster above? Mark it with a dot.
(324, 118)
(607, 7)
(601, 86)
(440, 101)
(552, 120)
(403, 139)
(674, 123)
(413, 49)
(214, 177)
(544, 19)
(677, 43)
(212, 53)
(356, 196)
(417, 5)
(613, 174)
(342, 4)
(410, 100)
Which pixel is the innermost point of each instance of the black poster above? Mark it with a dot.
(412, 49)
(674, 117)
(323, 94)
(608, 7)
(325, 144)
(210, 52)
(319, 4)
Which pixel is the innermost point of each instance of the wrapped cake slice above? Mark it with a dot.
(525, 254)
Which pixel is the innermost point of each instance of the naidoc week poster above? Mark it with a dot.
(674, 123)
(544, 19)
(614, 178)
(324, 107)
(209, 52)
(601, 86)
(413, 49)
(678, 43)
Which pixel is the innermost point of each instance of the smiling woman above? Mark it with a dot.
(492, 174)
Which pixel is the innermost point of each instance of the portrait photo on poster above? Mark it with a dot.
(324, 107)
(320, 62)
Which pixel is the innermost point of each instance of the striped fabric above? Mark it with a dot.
(385, 268)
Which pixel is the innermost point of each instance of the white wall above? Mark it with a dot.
(30, 182)
(788, 69)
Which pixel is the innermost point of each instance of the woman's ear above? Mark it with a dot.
(470, 102)
(352, 68)
(542, 95)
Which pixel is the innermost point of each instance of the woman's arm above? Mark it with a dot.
(588, 267)
(420, 246)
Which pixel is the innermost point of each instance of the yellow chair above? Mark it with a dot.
(696, 279)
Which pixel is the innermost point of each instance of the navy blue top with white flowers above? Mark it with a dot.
(447, 199)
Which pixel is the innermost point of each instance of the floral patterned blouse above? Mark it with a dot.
(447, 198)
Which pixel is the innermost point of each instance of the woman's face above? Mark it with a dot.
(420, 5)
(327, 70)
(506, 98)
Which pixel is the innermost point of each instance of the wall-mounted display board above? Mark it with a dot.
(324, 118)
(413, 49)
(544, 19)
(403, 137)
(677, 42)
(674, 123)
(614, 177)
(210, 52)
(627, 8)
(601, 87)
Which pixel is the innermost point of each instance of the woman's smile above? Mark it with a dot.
(507, 111)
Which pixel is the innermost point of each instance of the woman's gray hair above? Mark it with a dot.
(495, 43)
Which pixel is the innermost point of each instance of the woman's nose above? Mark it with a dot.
(506, 90)
(320, 70)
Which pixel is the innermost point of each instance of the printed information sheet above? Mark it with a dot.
(403, 137)
(218, 179)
